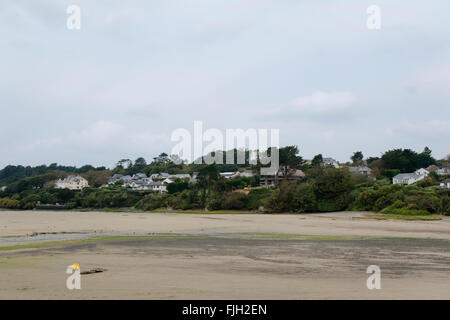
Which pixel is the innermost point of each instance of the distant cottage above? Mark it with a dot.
(445, 184)
(360, 170)
(331, 162)
(72, 183)
(410, 178)
(439, 171)
(272, 180)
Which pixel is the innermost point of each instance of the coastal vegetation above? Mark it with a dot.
(323, 189)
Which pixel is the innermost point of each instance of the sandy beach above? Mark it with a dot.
(221, 256)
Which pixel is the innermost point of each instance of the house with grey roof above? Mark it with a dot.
(331, 162)
(445, 184)
(229, 175)
(360, 170)
(443, 171)
(271, 180)
(410, 178)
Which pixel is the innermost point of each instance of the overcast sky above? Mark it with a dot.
(138, 70)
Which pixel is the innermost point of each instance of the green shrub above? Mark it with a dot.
(406, 211)
(398, 204)
(9, 203)
(215, 201)
(257, 197)
(235, 201)
(152, 202)
(304, 199)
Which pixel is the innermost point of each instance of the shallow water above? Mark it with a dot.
(47, 237)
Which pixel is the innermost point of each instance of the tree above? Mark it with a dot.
(97, 178)
(332, 188)
(371, 160)
(140, 162)
(406, 160)
(425, 158)
(207, 175)
(289, 159)
(357, 157)
(162, 158)
(427, 151)
(177, 186)
(138, 167)
(124, 164)
(317, 161)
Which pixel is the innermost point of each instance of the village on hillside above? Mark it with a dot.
(401, 181)
(158, 182)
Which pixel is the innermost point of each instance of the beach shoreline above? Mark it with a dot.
(207, 256)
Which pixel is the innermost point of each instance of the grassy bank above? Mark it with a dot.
(388, 216)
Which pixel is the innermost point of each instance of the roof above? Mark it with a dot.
(433, 168)
(406, 176)
(359, 169)
(293, 173)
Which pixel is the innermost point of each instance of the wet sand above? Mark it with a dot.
(226, 256)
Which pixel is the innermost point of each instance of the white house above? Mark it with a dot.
(423, 171)
(227, 175)
(331, 162)
(245, 174)
(445, 184)
(72, 183)
(158, 187)
(168, 181)
(443, 171)
(410, 178)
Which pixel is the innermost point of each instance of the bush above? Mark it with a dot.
(9, 203)
(257, 197)
(304, 198)
(177, 186)
(366, 199)
(398, 204)
(406, 211)
(235, 201)
(215, 201)
(431, 203)
(332, 188)
(427, 182)
(401, 208)
(152, 202)
(280, 200)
